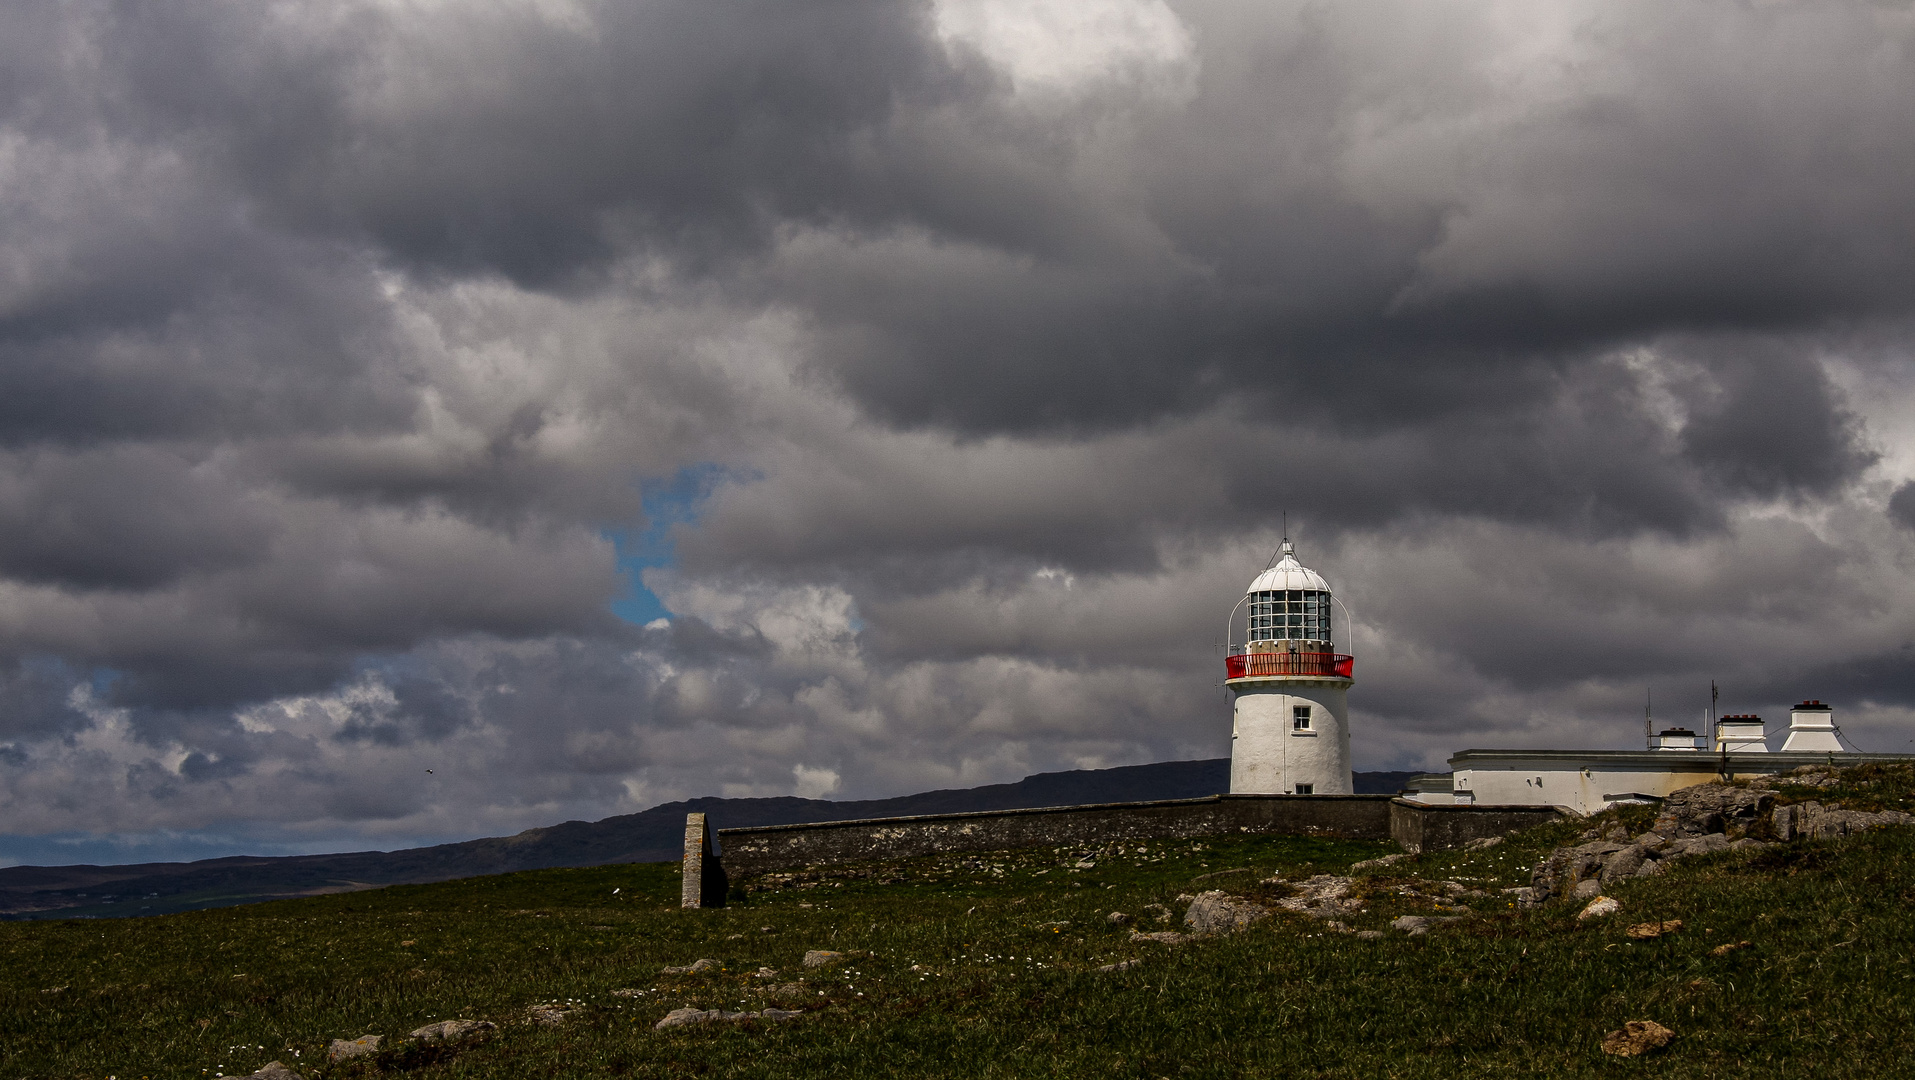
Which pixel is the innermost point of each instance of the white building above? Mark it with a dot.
(1290, 734)
(1590, 780)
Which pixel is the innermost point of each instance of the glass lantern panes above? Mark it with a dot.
(1290, 615)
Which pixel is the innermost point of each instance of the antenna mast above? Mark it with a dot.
(1648, 710)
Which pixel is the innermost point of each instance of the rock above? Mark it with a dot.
(1121, 965)
(1587, 889)
(1418, 925)
(1369, 935)
(1624, 864)
(1482, 843)
(1565, 867)
(765, 973)
(681, 1017)
(1696, 845)
(817, 958)
(696, 967)
(342, 1049)
(1220, 913)
(1159, 910)
(451, 1030)
(1162, 937)
(275, 1070)
(1060, 924)
(1711, 808)
(1379, 863)
(547, 1014)
(1324, 896)
(1724, 950)
(1600, 906)
(1117, 918)
(1648, 930)
(1637, 1037)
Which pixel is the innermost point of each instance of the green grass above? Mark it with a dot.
(959, 975)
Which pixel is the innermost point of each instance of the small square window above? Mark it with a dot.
(1306, 789)
(1300, 719)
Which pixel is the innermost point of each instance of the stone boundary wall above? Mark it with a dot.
(1420, 827)
(754, 851)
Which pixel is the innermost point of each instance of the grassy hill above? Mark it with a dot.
(987, 966)
(40, 892)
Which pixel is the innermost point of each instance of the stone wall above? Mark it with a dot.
(754, 851)
(1421, 827)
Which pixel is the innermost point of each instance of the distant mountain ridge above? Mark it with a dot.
(654, 835)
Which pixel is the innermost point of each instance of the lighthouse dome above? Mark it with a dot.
(1289, 602)
(1289, 574)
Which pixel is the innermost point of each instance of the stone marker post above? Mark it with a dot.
(702, 883)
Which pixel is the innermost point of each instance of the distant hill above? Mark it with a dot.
(654, 835)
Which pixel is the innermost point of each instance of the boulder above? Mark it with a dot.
(1380, 862)
(1482, 843)
(342, 1049)
(452, 1030)
(1586, 889)
(1220, 913)
(1637, 1037)
(1599, 907)
(696, 967)
(1121, 965)
(1117, 918)
(1369, 935)
(817, 958)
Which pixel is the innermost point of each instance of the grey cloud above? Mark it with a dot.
(1901, 505)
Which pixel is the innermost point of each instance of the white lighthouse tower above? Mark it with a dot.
(1291, 733)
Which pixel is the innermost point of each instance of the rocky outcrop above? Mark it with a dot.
(1706, 809)
(1697, 820)
(1813, 821)
(1325, 896)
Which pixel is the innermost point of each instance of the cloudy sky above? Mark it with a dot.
(596, 404)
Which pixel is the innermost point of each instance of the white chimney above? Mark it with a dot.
(1678, 738)
(1812, 729)
(1742, 734)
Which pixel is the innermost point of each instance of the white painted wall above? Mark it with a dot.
(1590, 780)
(1269, 757)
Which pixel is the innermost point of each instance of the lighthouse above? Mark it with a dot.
(1290, 733)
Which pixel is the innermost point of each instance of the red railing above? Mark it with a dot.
(1321, 665)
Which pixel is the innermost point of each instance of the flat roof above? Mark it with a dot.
(1674, 759)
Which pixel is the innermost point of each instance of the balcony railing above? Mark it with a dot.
(1320, 665)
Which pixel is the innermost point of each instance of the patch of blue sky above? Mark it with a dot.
(668, 503)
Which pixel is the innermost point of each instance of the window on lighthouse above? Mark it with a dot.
(1290, 615)
(1300, 718)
